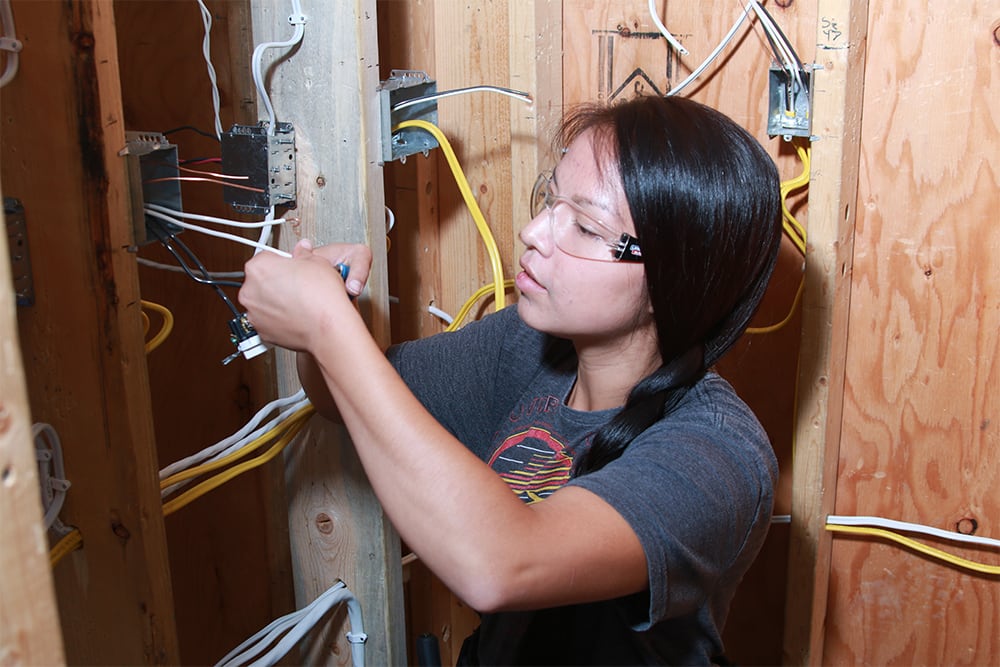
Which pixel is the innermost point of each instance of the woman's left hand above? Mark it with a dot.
(288, 301)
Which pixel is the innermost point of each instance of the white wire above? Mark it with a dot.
(226, 447)
(264, 240)
(212, 232)
(212, 275)
(206, 18)
(714, 54)
(258, 53)
(892, 524)
(440, 314)
(275, 405)
(298, 624)
(516, 94)
(663, 29)
(10, 35)
(390, 219)
(785, 51)
(221, 221)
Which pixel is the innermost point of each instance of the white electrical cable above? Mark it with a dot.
(206, 18)
(48, 449)
(9, 43)
(298, 20)
(297, 625)
(224, 448)
(892, 524)
(785, 51)
(510, 92)
(211, 232)
(663, 29)
(715, 53)
(440, 314)
(212, 275)
(221, 221)
(296, 400)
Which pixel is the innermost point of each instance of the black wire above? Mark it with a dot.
(190, 128)
(166, 237)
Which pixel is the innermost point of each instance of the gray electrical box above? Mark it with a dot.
(789, 104)
(153, 179)
(266, 160)
(404, 86)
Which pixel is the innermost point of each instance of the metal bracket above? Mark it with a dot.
(401, 86)
(20, 261)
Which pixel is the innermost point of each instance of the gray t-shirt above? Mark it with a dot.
(696, 487)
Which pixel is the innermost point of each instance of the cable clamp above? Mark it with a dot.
(357, 637)
(11, 44)
(59, 485)
(298, 19)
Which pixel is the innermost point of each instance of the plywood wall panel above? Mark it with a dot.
(923, 372)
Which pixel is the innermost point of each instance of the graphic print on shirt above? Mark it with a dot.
(533, 462)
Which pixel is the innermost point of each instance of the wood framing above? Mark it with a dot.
(29, 619)
(82, 341)
(841, 31)
(326, 87)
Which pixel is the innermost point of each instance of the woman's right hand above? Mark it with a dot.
(289, 300)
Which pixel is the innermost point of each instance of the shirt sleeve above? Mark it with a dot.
(469, 379)
(697, 489)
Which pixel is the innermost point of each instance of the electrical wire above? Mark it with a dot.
(206, 18)
(510, 92)
(165, 329)
(917, 546)
(196, 130)
(905, 526)
(201, 179)
(663, 29)
(221, 221)
(293, 421)
(791, 225)
(771, 328)
(216, 174)
(470, 202)
(296, 400)
(463, 312)
(212, 232)
(298, 20)
(297, 625)
(218, 480)
(9, 43)
(714, 54)
(67, 545)
(212, 275)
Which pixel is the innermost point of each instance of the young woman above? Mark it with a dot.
(570, 467)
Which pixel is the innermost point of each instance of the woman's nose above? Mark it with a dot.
(537, 234)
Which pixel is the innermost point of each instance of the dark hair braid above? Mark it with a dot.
(704, 197)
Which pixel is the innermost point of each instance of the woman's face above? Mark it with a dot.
(568, 296)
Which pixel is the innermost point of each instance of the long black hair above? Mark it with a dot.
(704, 197)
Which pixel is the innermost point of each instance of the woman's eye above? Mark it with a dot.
(587, 229)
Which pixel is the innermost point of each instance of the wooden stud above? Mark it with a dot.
(840, 50)
(82, 341)
(29, 619)
(326, 87)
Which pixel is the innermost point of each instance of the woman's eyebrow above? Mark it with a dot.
(583, 199)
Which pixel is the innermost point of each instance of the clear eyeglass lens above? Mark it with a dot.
(574, 231)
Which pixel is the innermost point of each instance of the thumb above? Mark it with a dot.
(302, 249)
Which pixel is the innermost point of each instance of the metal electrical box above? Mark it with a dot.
(266, 160)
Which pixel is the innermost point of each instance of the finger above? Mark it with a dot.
(302, 249)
